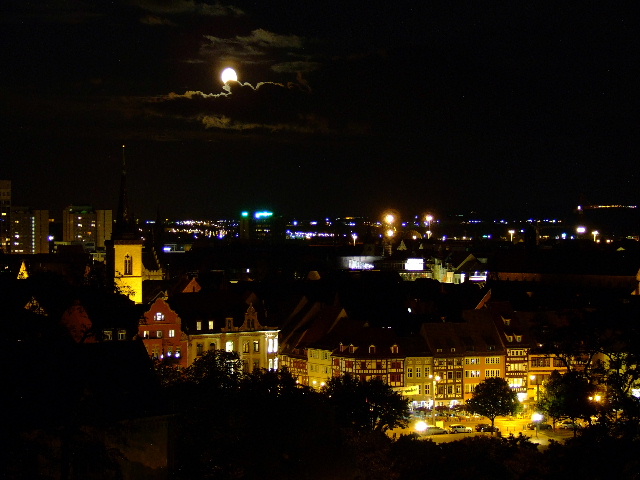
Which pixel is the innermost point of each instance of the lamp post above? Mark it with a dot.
(434, 379)
(354, 237)
(511, 232)
(595, 234)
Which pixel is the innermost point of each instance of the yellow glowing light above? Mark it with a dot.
(421, 426)
(389, 218)
(229, 74)
(390, 233)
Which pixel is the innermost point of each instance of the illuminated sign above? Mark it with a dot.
(414, 264)
(263, 214)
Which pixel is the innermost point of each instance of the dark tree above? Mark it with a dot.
(567, 396)
(493, 397)
(370, 405)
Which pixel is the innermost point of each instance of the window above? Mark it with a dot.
(245, 347)
(199, 348)
(229, 346)
(492, 360)
(158, 317)
(427, 389)
(213, 346)
(210, 324)
(348, 364)
(396, 365)
(271, 364)
(472, 374)
(145, 334)
(409, 372)
(158, 333)
(469, 387)
(394, 349)
(372, 349)
(449, 375)
(229, 323)
(518, 338)
(363, 365)
(491, 373)
(395, 378)
(352, 348)
(418, 372)
(169, 351)
(107, 334)
(270, 345)
(378, 365)
(122, 334)
(256, 346)
(458, 375)
(540, 362)
(128, 265)
(172, 333)
(449, 389)
(198, 325)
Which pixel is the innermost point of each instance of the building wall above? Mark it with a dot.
(128, 268)
(161, 333)
(29, 231)
(5, 215)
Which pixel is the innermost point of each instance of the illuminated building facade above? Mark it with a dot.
(5, 215)
(83, 224)
(29, 230)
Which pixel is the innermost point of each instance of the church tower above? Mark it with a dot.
(126, 252)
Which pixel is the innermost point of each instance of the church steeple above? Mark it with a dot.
(125, 225)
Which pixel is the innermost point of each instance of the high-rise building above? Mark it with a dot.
(83, 224)
(29, 230)
(5, 216)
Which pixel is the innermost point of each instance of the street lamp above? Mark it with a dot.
(511, 232)
(354, 237)
(595, 234)
(434, 379)
(537, 418)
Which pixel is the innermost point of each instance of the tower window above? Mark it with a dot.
(128, 265)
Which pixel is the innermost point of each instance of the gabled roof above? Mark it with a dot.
(470, 338)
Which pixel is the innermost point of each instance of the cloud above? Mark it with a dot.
(252, 48)
(187, 7)
(266, 107)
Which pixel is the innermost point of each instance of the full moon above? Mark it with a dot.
(229, 74)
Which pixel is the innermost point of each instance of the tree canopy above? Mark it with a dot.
(493, 397)
(369, 405)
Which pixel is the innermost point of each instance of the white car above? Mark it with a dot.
(459, 428)
(434, 431)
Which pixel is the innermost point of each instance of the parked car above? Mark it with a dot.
(541, 426)
(430, 430)
(459, 428)
(485, 427)
(569, 425)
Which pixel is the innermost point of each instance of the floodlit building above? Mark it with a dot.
(83, 224)
(5, 215)
(29, 230)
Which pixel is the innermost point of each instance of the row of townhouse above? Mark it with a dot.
(183, 330)
(443, 364)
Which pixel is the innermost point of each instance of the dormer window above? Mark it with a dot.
(229, 323)
(394, 349)
(352, 348)
(343, 348)
(453, 350)
(509, 338)
(518, 338)
(372, 349)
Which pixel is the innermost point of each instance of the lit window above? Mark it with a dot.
(409, 372)
(372, 349)
(159, 334)
(198, 325)
(210, 324)
(256, 346)
(172, 333)
(270, 346)
(108, 334)
(229, 347)
(159, 317)
(145, 334)
(122, 334)
(245, 347)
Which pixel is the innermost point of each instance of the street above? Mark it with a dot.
(507, 426)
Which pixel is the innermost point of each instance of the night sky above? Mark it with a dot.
(342, 108)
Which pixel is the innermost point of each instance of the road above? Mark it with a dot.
(507, 426)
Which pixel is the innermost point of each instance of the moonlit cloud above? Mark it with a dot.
(257, 45)
(187, 7)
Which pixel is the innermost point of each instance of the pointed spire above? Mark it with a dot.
(124, 221)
